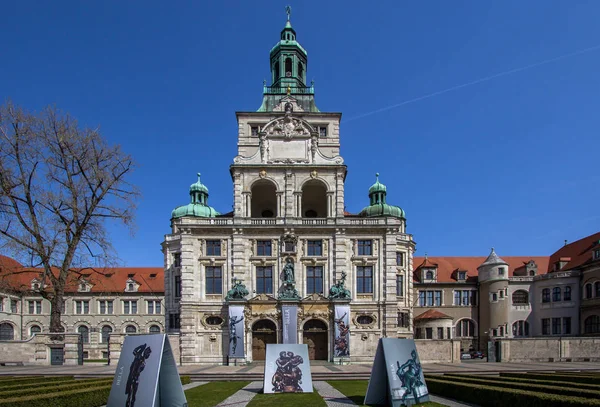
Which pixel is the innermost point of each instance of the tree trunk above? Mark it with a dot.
(55, 312)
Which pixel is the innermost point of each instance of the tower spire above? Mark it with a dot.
(288, 11)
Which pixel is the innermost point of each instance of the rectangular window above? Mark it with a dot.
(364, 279)
(449, 333)
(462, 275)
(421, 298)
(457, 297)
(567, 294)
(501, 293)
(440, 333)
(546, 326)
(473, 296)
(264, 280)
(430, 298)
(82, 307)
(1, 304)
(400, 259)
(177, 286)
(35, 307)
(174, 321)
(501, 271)
(130, 307)
(428, 333)
(556, 294)
(106, 306)
(546, 295)
(494, 297)
(315, 248)
(63, 307)
(13, 306)
(403, 320)
(154, 307)
(177, 259)
(438, 298)
(400, 285)
(289, 247)
(214, 280)
(419, 333)
(322, 131)
(213, 247)
(104, 354)
(556, 326)
(566, 326)
(314, 279)
(254, 131)
(263, 248)
(365, 247)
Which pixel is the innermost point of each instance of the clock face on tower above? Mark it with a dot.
(288, 74)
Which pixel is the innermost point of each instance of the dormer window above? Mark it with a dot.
(429, 275)
(462, 275)
(596, 254)
(131, 286)
(83, 286)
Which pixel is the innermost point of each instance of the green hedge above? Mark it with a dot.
(36, 379)
(526, 385)
(492, 396)
(72, 385)
(185, 379)
(585, 386)
(553, 376)
(3, 378)
(90, 397)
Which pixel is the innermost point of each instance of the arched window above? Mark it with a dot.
(314, 199)
(288, 67)
(106, 331)
(567, 294)
(597, 289)
(546, 295)
(7, 332)
(520, 297)
(130, 287)
(465, 328)
(130, 329)
(35, 329)
(588, 290)
(556, 294)
(154, 329)
(520, 328)
(85, 333)
(591, 325)
(263, 199)
(429, 275)
(276, 70)
(300, 70)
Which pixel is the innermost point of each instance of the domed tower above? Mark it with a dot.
(494, 304)
(378, 205)
(198, 205)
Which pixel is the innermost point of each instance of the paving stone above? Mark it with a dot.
(332, 396)
(242, 397)
(449, 402)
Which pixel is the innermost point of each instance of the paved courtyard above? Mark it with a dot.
(316, 368)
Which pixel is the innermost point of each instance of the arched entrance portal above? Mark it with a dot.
(315, 336)
(263, 332)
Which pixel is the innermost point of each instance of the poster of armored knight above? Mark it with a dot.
(399, 361)
(287, 369)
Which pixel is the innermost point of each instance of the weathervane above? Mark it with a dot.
(288, 11)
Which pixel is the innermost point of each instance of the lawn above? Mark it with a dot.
(211, 394)
(288, 400)
(355, 390)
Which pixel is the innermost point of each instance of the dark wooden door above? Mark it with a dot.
(259, 344)
(317, 345)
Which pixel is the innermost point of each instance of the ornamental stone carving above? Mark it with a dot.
(287, 127)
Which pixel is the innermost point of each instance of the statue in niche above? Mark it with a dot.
(288, 271)
(264, 148)
(289, 108)
(314, 143)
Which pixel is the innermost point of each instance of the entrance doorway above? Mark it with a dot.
(263, 332)
(315, 336)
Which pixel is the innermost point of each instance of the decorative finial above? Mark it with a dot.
(288, 11)
(264, 82)
(492, 249)
(425, 255)
(198, 178)
(289, 90)
(377, 176)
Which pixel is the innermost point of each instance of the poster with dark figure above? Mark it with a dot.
(140, 354)
(146, 374)
(341, 346)
(287, 369)
(397, 361)
(236, 331)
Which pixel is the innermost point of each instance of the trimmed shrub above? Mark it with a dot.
(492, 396)
(90, 397)
(585, 386)
(36, 380)
(554, 376)
(185, 379)
(3, 378)
(526, 385)
(72, 385)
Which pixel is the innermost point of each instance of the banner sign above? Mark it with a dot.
(396, 367)
(341, 347)
(236, 331)
(146, 374)
(287, 369)
(289, 315)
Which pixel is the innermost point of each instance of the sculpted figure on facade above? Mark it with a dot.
(238, 291)
(338, 291)
(288, 271)
(314, 144)
(264, 147)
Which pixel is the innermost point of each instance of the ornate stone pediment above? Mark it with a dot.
(288, 127)
(262, 298)
(315, 297)
(280, 107)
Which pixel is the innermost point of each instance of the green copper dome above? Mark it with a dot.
(378, 206)
(377, 186)
(198, 206)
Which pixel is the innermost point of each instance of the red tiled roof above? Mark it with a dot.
(7, 263)
(105, 280)
(447, 266)
(433, 314)
(577, 253)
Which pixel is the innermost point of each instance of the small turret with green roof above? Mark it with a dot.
(378, 205)
(198, 205)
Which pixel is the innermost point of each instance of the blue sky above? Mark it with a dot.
(509, 162)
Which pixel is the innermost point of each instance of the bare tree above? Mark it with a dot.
(59, 184)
